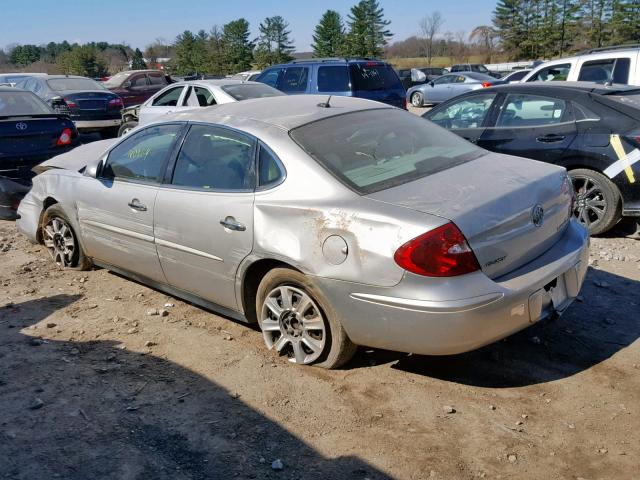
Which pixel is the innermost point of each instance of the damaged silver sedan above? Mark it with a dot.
(330, 223)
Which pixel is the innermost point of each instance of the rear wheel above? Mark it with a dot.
(597, 200)
(298, 322)
(61, 241)
(417, 99)
(126, 127)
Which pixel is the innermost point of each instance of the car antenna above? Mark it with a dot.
(325, 104)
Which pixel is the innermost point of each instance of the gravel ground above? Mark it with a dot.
(92, 386)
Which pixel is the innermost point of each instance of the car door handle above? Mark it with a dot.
(550, 138)
(232, 224)
(137, 205)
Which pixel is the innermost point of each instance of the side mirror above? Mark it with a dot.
(431, 83)
(93, 170)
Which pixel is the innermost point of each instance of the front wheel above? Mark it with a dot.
(126, 127)
(597, 200)
(61, 241)
(417, 99)
(299, 323)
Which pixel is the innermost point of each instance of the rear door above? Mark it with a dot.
(204, 217)
(531, 126)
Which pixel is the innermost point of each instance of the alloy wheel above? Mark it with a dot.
(591, 205)
(416, 100)
(293, 324)
(60, 241)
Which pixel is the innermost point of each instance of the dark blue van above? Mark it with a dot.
(352, 77)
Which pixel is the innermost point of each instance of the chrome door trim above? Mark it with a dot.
(122, 231)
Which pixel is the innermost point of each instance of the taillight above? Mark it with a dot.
(442, 252)
(65, 137)
(116, 102)
(486, 84)
(70, 103)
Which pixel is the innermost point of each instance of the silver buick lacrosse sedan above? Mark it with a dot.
(331, 222)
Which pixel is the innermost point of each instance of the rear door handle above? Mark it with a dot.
(137, 205)
(550, 138)
(232, 224)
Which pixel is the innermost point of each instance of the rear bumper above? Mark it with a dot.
(448, 316)
(97, 124)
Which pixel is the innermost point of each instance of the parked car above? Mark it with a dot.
(591, 130)
(473, 67)
(430, 73)
(364, 78)
(516, 76)
(199, 93)
(30, 132)
(618, 64)
(135, 86)
(250, 75)
(330, 223)
(448, 86)
(10, 79)
(91, 107)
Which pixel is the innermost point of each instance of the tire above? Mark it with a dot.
(126, 127)
(313, 336)
(417, 100)
(598, 204)
(62, 243)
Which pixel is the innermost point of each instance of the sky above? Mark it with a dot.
(139, 22)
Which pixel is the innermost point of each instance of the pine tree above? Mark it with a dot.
(329, 36)
(238, 49)
(274, 44)
(137, 62)
(508, 21)
(183, 61)
(368, 31)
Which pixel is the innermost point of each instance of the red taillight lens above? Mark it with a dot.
(487, 84)
(65, 137)
(443, 252)
(116, 102)
(70, 103)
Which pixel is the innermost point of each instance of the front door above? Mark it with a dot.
(466, 116)
(204, 218)
(115, 210)
(531, 126)
(166, 102)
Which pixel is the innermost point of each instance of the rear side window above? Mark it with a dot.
(373, 76)
(334, 79)
(614, 70)
(376, 149)
(168, 98)
(199, 97)
(142, 155)
(531, 111)
(269, 169)
(294, 80)
(555, 73)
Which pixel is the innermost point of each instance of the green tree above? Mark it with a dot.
(24, 55)
(82, 60)
(216, 52)
(183, 58)
(236, 46)
(329, 35)
(625, 21)
(368, 31)
(274, 44)
(137, 62)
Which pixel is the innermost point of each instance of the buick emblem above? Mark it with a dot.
(21, 126)
(537, 215)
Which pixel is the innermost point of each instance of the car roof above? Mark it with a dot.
(590, 87)
(329, 60)
(11, 89)
(54, 77)
(286, 112)
(218, 82)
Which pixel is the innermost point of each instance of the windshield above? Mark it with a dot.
(245, 91)
(373, 150)
(71, 83)
(116, 80)
(481, 69)
(21, 103)
(373, 76)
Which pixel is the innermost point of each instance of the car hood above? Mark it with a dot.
(77, 158)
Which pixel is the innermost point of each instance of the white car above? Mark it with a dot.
(199, 93)
(600, 65)
(249, 75)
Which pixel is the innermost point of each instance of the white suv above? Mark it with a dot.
(601, 65)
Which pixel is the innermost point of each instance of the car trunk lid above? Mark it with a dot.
(495, 200)
(30, 133)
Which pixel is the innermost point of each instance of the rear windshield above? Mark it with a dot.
(373, 76)
(59, 84)
(373, 150)
(245, 91)
(21, 103)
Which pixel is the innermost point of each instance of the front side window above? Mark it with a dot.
(335, 79)
(467, 113)
(445, 79)
(142, 155)
(521, 110)
(614, 70)
(270, 77)
(215, 158)
(377, 149)
(139, 81)
(295, 79)
(554, 73)
(168, 98)
(157, 79)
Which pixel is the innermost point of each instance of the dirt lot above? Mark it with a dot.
(91, 386)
